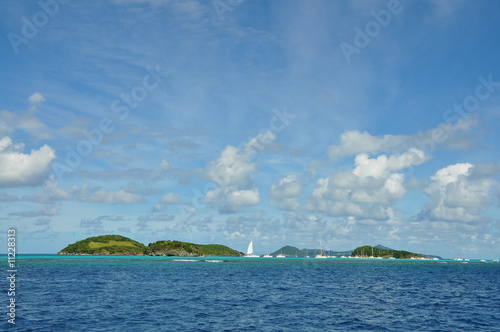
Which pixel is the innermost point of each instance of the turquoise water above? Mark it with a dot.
(124, 293)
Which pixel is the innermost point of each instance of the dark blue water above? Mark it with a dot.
(161, 294)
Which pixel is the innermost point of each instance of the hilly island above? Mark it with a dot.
(121, 245)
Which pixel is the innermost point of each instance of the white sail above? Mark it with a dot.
(250, 248)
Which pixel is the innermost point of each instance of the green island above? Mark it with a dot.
(378, 251)
(121, 245)
(382, 252)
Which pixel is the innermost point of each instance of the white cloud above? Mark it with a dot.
(449, 135)
(354, 142)
(243, 197)
(460, 192)
(170, 198)
(232, 173)
(232, 168)
(284, 193)
(382, 165)
(19, 169)
(368, 190)
(232, 198)
(450, 173)
(288, 187)
(52, 192)
(25, 121)
(36, 98)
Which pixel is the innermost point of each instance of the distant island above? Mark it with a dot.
(121, 245)
(378, 251)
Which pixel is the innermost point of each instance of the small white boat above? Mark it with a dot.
(268, 255)
(250, 250)
(322, 254)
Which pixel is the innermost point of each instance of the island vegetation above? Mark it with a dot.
(178, 248)
(384, 252)
(378, 251)
(291, 251)
(105, 245)
(121, 245)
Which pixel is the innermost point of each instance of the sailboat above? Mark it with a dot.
(322, 254)
(268, 255)
(281, 255)
(250, 250)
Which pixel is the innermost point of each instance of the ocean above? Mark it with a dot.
(130, 293)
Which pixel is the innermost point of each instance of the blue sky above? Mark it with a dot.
(285, 122)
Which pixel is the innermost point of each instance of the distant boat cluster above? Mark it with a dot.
(363, 255)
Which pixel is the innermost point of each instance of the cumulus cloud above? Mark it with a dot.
(234, 165)
(232, 168)
(170, 198)
(449, 135)
(231, 198)
(243, 197)
(284, 193)
(36, 99)
(354, 142)
(368, 190)
(233, 171)
(20, 169)
(287, 187)
(460, 192)
(383, 165)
